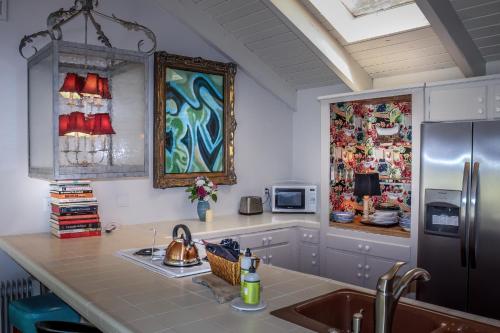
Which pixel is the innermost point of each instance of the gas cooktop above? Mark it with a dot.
(142, 257)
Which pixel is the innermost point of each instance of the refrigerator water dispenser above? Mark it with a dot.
(442, 211)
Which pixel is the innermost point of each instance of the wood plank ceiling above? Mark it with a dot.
(254, 24)
(262, 32)
(481, 18)
(412, 51)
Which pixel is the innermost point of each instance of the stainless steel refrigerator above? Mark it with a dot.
(459, 227)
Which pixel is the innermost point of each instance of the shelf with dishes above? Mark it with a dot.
(371, 137)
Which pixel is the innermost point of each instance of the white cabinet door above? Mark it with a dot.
(345, 266)
(495, 102)
(374, 268)
(262, 254)
(457, 102)
(283, 256)
(309, 259)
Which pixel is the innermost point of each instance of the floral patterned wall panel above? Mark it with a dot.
(371, 136)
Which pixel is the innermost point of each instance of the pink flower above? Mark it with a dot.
(201, 192)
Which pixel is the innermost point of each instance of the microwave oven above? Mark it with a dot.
(294, 198)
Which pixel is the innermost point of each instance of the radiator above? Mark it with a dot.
(12, 290)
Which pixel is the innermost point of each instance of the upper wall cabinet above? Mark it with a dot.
(457, 102)
(467, 100)
(495, 100)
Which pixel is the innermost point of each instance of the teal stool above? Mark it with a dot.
(24, 313)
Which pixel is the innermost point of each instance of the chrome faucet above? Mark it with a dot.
(390, 287)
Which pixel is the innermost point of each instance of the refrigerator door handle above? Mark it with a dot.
(472, 215)
(463, 214)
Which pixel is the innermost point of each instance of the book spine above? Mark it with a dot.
(71, 195)
(62, 227)
(69, 218)
(73, 222)
(74, 210)
(74, 200)
(77, 234)
(70, 188)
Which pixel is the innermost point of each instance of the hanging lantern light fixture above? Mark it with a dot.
(76, 82)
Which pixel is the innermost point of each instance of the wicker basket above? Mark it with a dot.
(225, 269)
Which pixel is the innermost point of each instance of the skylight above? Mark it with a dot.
(357, 20)
(365, 7)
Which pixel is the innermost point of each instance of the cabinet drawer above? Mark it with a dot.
(309, 235)
(265, 238)
(373, 248)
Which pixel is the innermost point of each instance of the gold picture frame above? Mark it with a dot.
(194, 120)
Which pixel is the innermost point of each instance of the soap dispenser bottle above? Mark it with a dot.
(252, 286)
(245, 264)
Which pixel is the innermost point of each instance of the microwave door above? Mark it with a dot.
(290, 200)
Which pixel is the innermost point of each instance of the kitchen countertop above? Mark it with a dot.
(118, 296)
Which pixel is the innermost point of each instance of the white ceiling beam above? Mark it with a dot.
(215, 34)
(455, 38)
(322, 43)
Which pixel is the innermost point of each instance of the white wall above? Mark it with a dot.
(306, 132)
(263, 136)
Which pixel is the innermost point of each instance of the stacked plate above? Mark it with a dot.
(384, 217)
(405, 221)
(342, 217)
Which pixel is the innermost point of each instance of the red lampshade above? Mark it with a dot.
(71, 86)
(91, 85)
(102, 124)
(76, 124)
(63, 124)
(103, 88)
(90, 124)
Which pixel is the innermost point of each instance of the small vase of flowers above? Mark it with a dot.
(202, 190)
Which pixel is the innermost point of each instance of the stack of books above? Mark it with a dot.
(73, 209)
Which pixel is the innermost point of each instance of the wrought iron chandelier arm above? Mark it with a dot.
(58, 18)
(54, 22)
(133, 26)
(100, 34)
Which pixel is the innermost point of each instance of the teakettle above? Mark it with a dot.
(181, 252)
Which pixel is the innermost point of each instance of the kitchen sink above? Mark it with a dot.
(335, 310)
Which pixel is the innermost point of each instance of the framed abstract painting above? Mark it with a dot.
(194, 120)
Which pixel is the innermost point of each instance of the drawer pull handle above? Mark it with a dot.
(305, 235)
(480, 111)
(310, 236)
(497, 109)
(313, 254)
(359, 275)
(480, 99)
(367, 276)
(367, 267)
(360, 266)
(367, 248)
(264, 239)
(360, 246)
(313, 262)
(270, 238)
